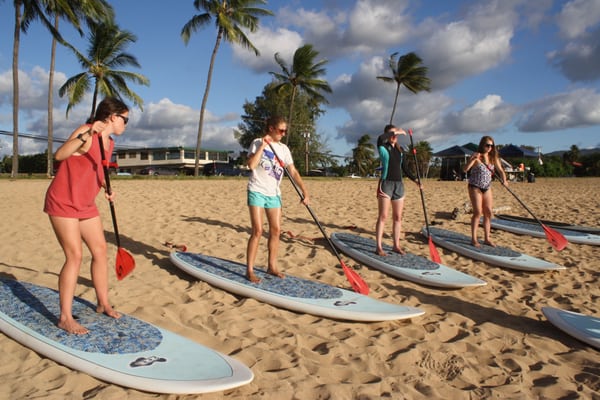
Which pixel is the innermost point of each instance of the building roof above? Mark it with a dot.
(513, 151)
(454, 152)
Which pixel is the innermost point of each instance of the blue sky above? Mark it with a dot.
(525, 72)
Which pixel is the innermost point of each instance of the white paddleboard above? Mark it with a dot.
(583, 327)
(292, 293)
(124, 351)
(408, 266)
(501, 256)
(552, 224)
(536, 230)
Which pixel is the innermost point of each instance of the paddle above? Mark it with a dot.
(357, 283)
(435, 256)
(125, 262)
(556, 239)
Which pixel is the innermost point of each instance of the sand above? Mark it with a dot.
(475, 343)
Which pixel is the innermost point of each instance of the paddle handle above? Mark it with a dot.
(414, 151)
(109, 189)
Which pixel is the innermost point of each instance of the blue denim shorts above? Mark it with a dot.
(263, 201)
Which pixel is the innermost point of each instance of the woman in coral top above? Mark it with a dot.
(70, 204)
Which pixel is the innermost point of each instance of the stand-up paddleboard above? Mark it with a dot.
(501, 256)
(583, 327)
(291, 292)
(409, 266)
(124, 351)
(536, 230)
(552, 224)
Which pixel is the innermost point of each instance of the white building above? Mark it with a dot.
(177, 158)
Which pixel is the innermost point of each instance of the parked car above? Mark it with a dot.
(218, 169)
(159, 171)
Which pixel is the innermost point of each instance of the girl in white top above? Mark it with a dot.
(264, 192)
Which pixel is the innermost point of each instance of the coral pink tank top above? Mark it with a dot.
(78, 181)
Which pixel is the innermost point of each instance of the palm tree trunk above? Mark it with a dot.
(15, 71)
(50, 151)
(291, 113)
(204, 101)
(395, 103)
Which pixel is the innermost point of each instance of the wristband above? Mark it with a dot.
(80, 137)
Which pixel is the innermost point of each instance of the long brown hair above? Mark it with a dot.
(481, 148)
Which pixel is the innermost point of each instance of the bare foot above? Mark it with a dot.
(109, 311)
(489, 243)
(399, 250)
(380, 252)
(72, 326)
(275, 273)
(252, 278)
(475, 243)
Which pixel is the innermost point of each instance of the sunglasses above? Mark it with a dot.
(282, 130)
(125, 119)
(489, 145)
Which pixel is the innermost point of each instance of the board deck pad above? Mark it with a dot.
(536, 230)
(583, 327)
(125, 351)
(496, 255)
(408, 266)
(293, 293)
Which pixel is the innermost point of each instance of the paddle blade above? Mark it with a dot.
(357, 283)
(433, 253)
(556, 239)
(124, 264)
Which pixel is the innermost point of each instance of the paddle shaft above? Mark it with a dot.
(414, 151)
(108, 189)
(295, 185)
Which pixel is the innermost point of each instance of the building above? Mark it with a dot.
(181, 159)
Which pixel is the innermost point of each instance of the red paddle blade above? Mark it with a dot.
(124, 264)
(433, 253)
(556, 239)
(357, 283)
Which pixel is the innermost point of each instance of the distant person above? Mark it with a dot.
(482, 165)
(70, 204)
(390, 188)
(264, 193)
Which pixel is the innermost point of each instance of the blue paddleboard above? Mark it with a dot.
(583, 327)
(292, 293)
(501, 256)
(408, 266)
(124, 351)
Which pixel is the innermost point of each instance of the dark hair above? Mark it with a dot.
(108, 107)
(274, 121)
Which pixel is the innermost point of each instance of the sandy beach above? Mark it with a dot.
(475, 343)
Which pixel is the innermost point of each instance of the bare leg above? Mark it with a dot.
(383, 206)
(93, 236)
(476, 202)
(69, 237)
(487, 208)
(274, 218)
(255, 235)
(397, 208)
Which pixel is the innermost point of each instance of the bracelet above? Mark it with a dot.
(80, 137)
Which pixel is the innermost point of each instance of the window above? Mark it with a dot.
(159, 155)
(144, 155)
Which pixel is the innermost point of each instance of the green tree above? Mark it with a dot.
(26, 11)
(73, 12)
(272, 102)
(407, 71)
(231, 17)
(363, 156)
(106, 52)
(424, 153)
(302, 75)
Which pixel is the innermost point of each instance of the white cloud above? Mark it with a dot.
(577, 16)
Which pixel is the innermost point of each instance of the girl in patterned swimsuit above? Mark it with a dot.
(482, 166)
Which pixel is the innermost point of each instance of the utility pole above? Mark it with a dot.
(306, 136)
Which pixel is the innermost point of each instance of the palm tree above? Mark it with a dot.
(409, 72)
(106, 51)
(25, 12)
(424, 153)
(73, 12)
(302, 75)
(230, 17)
(363, 157)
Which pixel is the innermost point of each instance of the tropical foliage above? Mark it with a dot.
(363, 160)
(231, 18)
(106, 53)
(409, 72)
(302, 76)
